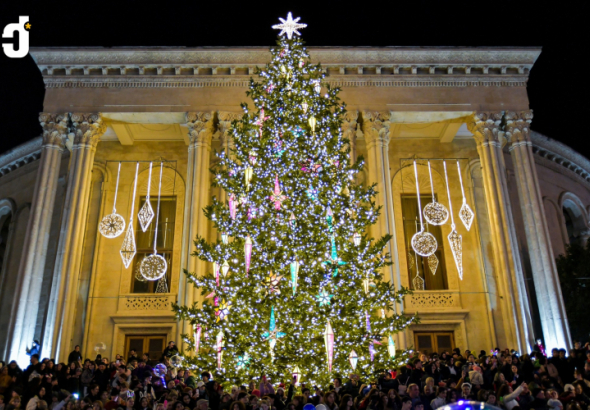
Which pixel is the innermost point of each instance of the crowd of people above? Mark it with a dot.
(427, 382)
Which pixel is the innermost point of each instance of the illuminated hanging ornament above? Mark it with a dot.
(312, 123)
(466, 215)
(346, 191)
(292, 220)
(137, 273)
(224, 268)
(368, 322)
(219, 347)
(128, 247)
(113, 225)
(277, 197)
(232, 206)
(296, 375)
(304, 106)
(410, 261)
(329, 342)
(372, 350)
(455, 240)
(356, 239)
(435, 213)
(260, 121)
(146, 213)
(252, 157)
(432, 263)
(243, 361)
(222, 310)
(334, 260)
(272, 283)
(423, 243)
(324, 298)
(317, 86)
(248, 172)
(273, 332)
(216, 272)
(224, 238)
(418, 281)
(353, 359)
(248, 253)
(312, 193)
(366, 283)
(391, 347)
(330, 219)
(154, 266)
(382, 313)
(294, 274)
(162, 286)
(198, 331)
(289, 26)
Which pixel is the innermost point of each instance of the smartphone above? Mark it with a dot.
(118, 361)
(76, 396)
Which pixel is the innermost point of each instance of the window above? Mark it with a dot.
(438, 342)
(418, 265)
(153, 345)
(145, 244)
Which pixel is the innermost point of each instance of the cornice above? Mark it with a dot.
(21, 155)
(344, 66)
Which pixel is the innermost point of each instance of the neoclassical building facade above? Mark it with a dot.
(64, 284)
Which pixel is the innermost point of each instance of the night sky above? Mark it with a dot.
(558, 86)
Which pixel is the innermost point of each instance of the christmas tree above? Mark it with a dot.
(295, 283)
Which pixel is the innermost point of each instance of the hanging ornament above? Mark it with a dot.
(366, 283)
(294, 273)
(391, 347)
(368, 322)
(224, 268)
(137, 273)
(435, 213)
(410, 260)
(317, 86)
(330, 219)
(334, 260)
(312, 123)
(113, 225)
(312, 193)
(301, 63)
(162, 286)
(224, 238)
(356, 239)
(324, 298)
(418, 282)
(304, 106)
(423, 243)
(273, 332)
(248, 253)
(216, 272)
(455, 240)
(296, 375)
(128, 247)
(146, 213)
(197, 335)
(272, 283)
(154, 266)
(243, 361)
(353, 359)
(219, 347)
(382, 313)
(372, 350)
(465, 213)
(292, 220)
(329, 342)
(232, 206)
(248, 177)
(432, 263)
(252, 157)
(222, 310)
(277, 197)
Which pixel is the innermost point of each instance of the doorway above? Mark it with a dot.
(153, 345)
(434, 342)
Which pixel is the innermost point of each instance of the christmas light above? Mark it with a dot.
(289, 26)
(353, 359)
(423, 243)
(248, 253)
(329, 341)
(432, 263)
(248, 172)
(465, 213)
(312, 123)
(224, 268)
(128, 248)
(277, 197)
(224, 238)
(294, 266)
(113, 225)
(219, 346)
(356, 239)
(216, 272)
(197, 338)
(435, 213)
(391, 347)
(146, 213)
(222, 310)
(232, 206)
(296, 375)
(455, 240)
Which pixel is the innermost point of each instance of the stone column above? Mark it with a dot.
(517, 325)
(549, 298)
(200, 126)
(350, 129)
(86, 130)
(376, 132)
(30, 276)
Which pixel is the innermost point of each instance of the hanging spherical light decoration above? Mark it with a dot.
(153, 267)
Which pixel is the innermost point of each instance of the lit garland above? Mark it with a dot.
(294, 234)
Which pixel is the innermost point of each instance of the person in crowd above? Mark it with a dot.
(440, 398)
(75, 355)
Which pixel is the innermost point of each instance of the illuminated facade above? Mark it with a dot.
(65, 284)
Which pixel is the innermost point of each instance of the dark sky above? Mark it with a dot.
(558, 85)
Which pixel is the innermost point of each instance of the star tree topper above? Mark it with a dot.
(289, 26)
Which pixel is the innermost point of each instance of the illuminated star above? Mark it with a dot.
(222, 310)
(289, 26)
(272, 281)
(28, 26)
(324, 298)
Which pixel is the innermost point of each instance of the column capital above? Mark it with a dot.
(200, 128)
(55, 129)
(376, 127)
(224, 121)
(485, 127)
(87, 128)
(349, 125)
(518, 126)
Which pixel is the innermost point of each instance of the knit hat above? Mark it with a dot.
(256, 393)
(476, 368)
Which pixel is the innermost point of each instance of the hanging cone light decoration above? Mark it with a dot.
(455, 240)
(219, 346)
(224, 238)
(410, 261)
(329, 342)
(277, 197)
(198, 331)
(372, 350)
(248, 253)
(391, 347)
(224, 269)
(154, 266)
(432, 263)
(162, 286)
(128, 247)
(248, 177)
(356, 239)
(146, 213)
(292, 221)
(232, 206)
(418, 281)
(435, 213)
(113, 225)
(466, 215)
(312, 123)
(353, 359)
(296, 375)
(216, 272)
(423, 243)
(294, 274)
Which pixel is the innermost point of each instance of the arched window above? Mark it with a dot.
(575, 225)
(5, 218)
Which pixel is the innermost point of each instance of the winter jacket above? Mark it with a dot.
(437, 402)
(509, 400)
